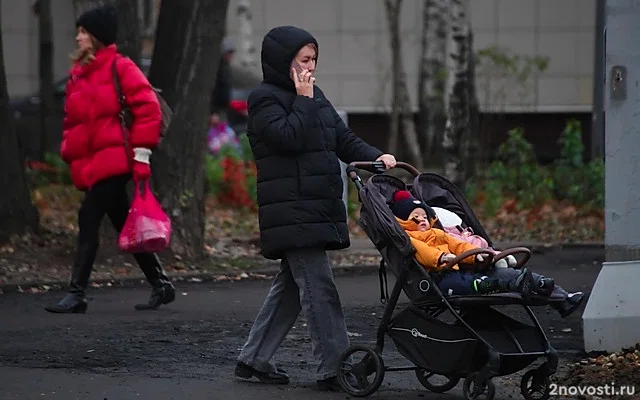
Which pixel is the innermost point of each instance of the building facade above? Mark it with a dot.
(354, 63)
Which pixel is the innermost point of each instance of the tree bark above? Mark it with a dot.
(47, 100)
(431, 79)
(80, 6)
(17, 213)
(457, 128)
(392, 8)
(474, 150)
(247, 54)
(402, 112)
(129, 30)
(184, 66)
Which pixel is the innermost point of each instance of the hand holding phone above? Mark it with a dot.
(303, 79)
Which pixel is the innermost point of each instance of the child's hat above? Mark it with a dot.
(404, 203)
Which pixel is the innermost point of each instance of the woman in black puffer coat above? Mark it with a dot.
(297, 139)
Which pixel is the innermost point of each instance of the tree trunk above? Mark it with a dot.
(80, 6)
(432, 113)
(457, 128)
(129, 29)
(17, 213)
(392, 8)
(474, 151)
(184, 65)
(401, 108)
(47, 100)
(247, 54)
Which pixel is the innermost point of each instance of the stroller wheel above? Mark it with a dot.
(471, 392)
(442, 385)
(355, 368)
(535, 385)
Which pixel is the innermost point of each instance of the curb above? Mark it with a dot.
(342, 270)
(193, 279)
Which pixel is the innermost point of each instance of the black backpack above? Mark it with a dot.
(126, 118)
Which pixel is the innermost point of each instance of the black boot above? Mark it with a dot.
(279, 377)
(163, 293)
(571, 304)
(544, 286)
(70, 304)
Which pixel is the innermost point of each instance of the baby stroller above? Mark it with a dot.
(480, 343)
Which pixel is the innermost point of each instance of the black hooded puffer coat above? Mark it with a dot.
(296, 142)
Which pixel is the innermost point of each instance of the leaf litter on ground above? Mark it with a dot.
(232, 241)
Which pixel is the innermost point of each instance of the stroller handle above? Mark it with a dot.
(378, 167)
(469, 253)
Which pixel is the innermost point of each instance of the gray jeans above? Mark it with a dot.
(304, 283)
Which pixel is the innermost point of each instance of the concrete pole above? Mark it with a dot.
(612, 316)
(343, 167)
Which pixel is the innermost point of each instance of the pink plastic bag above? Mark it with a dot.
(147, 228)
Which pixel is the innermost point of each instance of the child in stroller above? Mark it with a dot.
(435, 248)
(470, 337)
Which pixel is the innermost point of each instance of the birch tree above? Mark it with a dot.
(457, 131)
(246, 54)
(401, 110)
(432, 77)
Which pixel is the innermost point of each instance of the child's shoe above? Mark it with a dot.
(571, 304)
(486, 285)
(544, 286)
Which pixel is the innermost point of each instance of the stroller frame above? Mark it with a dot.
(478, 382)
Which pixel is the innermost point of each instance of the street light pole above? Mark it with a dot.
(611, 319)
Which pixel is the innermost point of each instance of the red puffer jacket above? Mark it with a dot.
(92, 141)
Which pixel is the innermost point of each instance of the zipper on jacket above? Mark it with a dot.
(299, 177)
(335, 228)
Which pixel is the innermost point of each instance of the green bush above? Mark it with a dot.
(52, 170)
(576, 181)
(516, 175)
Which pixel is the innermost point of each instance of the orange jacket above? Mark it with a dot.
(431, 244)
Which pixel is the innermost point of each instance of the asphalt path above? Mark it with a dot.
(187, 350)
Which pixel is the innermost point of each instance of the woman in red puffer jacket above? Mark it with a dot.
(93, 144)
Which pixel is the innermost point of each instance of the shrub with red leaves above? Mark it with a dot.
(236, 179)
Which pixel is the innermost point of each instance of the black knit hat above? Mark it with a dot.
(404, 203)
(102, 23)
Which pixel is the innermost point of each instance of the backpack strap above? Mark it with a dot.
(121, 114)
(116, 82)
